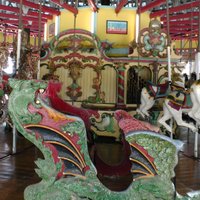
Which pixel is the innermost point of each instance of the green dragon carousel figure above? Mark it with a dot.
(68, 170)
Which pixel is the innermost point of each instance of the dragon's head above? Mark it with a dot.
(27, 86)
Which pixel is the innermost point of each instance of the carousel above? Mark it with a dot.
(76, 90)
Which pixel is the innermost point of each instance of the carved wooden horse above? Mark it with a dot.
(181, 101)
(174, 105)
(195, 98)
(151, 93)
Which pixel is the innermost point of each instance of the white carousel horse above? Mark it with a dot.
(152, 92)
(173, 107)
(178, 102)
(195, 98)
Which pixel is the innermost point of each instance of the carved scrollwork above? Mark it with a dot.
(74, 90)
(152, 41)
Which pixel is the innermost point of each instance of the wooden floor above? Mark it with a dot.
(17, 170)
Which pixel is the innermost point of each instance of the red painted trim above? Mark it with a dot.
(175, 9)
(9, 8)
(36, 14)
(27, 18)
(37, 6)
(179, 30)
(182, 27)
(13, 30)
(120, 5)
(181, 22)
(16, 10)
(33, 28)
(180, 16)
(66, 6)
(93, 5)
(16, 22)
(183, 38)
(151, 5)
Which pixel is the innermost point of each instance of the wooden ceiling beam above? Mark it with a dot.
(120, 5)
(30, 13)
(182, 27)
(36, 14)
(181, 23)
(37, 7)
(93, 5)
(151, 5)
(183, 38)
(16, 22)
(186, 32)
(66, 6)
(27, 18)
(15, 29)
(175, 9)
(181, 16)
(9, 8)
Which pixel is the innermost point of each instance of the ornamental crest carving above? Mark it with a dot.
(74, 90)
(153, 41)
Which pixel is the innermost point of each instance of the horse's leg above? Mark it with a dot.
(177, 115)
(149, 105)
(195, 97)
(194, 112)
(166, 116)
(141, 107)
(195, 89)
(144, 103)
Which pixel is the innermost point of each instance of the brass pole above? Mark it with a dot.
(197, 62)
(19, 36)
(168, 25)
(190, 43)
(20, 14)
(40, 25)
(168, 44)
(197, 57)
(198, 48)
(39, 38)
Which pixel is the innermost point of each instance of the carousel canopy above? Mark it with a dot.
(183, 14)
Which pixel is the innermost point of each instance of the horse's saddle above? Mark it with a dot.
(180, 99)
(158, 91)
